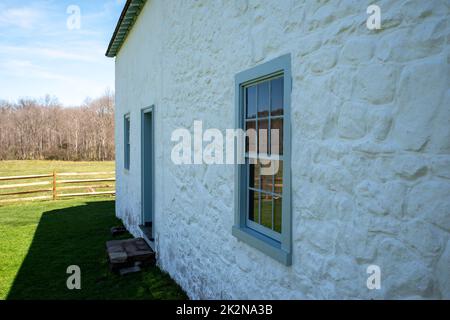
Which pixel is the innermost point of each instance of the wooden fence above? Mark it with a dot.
(56, 186)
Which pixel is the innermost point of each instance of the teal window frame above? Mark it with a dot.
(280, 247)
(126, 141)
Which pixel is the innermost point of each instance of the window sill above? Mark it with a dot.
(263, 243)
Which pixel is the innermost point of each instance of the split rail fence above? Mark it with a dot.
(55, 186)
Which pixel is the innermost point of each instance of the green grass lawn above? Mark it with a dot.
(39, 240)
(28, 167)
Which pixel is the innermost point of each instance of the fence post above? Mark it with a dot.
(54, 185)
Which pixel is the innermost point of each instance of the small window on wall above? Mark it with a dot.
(263, 209)
(127, 142)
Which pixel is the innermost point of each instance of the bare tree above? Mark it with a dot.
(31, 129)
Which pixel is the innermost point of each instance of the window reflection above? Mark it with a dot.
(253, 212)
(263, 99)
(251, 102)
(266, 183)
(254, 175)
(277, 210)
(264, 119)
(276, 96)
(278, 178)
(250, 138)
(276, 132)
(263, 136)
(266, 210)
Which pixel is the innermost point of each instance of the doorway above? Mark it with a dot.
(148, 174)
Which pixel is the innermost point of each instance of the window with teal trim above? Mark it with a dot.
(263, 104)
(126, 142)
(263, 209)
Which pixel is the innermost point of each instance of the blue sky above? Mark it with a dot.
(40, 55)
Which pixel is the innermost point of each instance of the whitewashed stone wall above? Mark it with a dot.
(370, 144)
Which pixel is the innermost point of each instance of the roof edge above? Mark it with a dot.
(128, 17)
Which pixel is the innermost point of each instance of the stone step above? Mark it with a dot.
(128, 253)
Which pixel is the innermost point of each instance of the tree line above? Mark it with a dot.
(45, 130)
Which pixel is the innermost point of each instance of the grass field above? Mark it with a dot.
(27, 167)
(33, 167)
(39, 240)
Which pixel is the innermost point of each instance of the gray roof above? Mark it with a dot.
(126, 21)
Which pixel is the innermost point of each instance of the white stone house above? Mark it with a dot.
(364, 180)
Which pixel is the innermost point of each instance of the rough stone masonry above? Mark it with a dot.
(370, 144)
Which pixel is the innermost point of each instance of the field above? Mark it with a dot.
(39, 240)
(33, 167)
(27, 167)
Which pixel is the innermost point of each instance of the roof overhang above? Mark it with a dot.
(126, 21)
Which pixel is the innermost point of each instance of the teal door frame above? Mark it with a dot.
(148, 166)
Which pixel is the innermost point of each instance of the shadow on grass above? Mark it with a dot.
(76, 236)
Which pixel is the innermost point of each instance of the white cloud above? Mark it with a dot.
(83, 55)
(25, 68)
(25, 17)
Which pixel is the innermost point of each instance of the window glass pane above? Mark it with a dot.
(263, 99)
(278, 166)
(277, 210)
(276, 133)
(276, 96)
(263, 136)
(250, 138)
(266, 181)
(254, 175)
(251, 102)
(253, 208)
(266, 210)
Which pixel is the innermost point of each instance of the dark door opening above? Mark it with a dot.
(147, 174)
